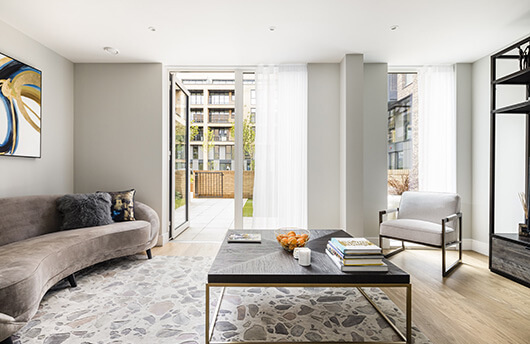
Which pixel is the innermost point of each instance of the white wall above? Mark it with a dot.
(120, 124)
(323, 145)
(351, 144)
(53, 172)
(463, 146)
(374, 160)
(510, 155)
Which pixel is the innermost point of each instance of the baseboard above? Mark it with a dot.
(162, 239)
(480, 247)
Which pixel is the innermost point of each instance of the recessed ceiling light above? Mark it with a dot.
(272, 28)
(111, 51)
(151, 28)
(394, 27)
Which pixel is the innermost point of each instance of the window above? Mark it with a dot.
(253, 97)
(225, 166)
(228, 152)
(220, 97)
(402, 153)
(199, 136)
(220, 116)
(253, 115)
(196, 116)
(223, 81)
(221, 134)
(195, 152)
(196, 97)
(216, 152)
(194, 81)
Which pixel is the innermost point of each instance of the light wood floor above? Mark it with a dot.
(473, 305)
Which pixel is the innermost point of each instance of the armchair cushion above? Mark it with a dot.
(417, 231)
(429, 206)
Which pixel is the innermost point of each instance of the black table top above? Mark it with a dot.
(268, 262)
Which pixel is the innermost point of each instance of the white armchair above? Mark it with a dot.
(427, 218)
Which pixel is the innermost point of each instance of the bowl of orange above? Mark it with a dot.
(291, 238)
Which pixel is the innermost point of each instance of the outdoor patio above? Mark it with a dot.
(210, 219)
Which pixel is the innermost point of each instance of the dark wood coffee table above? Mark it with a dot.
(266, 264)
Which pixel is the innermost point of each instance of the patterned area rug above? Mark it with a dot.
(134, 300)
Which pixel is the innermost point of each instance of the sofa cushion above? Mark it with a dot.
(417, 231)
(428, 206)
(26, 217)
(30, 267)
(85, 210)
(122, 205)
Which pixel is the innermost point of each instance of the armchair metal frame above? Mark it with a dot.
(443, 246)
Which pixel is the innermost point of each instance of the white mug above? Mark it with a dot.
(304, 256)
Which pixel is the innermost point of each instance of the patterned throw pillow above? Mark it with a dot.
(122, 205)
(85, 210)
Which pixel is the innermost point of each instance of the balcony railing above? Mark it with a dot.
(197, 118)
(222, 138)
(197, 138)
(221, 118)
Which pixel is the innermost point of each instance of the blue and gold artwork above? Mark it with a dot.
(20, 109)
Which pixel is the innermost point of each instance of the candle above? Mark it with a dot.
(295, 252)
(304, 256)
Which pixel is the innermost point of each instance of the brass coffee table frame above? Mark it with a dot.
(407, 338)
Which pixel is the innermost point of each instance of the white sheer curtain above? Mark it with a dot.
(437, 129)
(280, 182)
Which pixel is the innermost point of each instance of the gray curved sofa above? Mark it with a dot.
(35, 254)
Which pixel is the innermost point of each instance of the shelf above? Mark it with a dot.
(521, 77)
(523, 107)
(513, 237)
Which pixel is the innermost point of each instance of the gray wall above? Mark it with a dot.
(119, 132)
(351, 144)
(53, 172)
(347, 131)
(374, 159)
(463, 145)
(323, 145)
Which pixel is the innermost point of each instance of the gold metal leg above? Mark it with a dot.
(207, 315)
(210, 328)
(409, 313)
(407, 338)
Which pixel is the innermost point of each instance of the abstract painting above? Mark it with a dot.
(20, 109)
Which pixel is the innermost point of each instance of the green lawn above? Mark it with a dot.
(179, 202)
(248, 210)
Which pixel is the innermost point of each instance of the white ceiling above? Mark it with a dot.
(236, 32)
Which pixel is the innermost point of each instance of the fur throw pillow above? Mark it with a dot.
(85, 210)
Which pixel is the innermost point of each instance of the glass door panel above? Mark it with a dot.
(179, 158)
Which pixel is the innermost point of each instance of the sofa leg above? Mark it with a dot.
(149, 254)
(72, 280)
(8, 340)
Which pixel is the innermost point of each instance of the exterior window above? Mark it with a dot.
(228, 152)
(219, 97)
(223, 81)
(196, 97)
(221, 134)
(196, 116)
(199, 136)
(195, 152)
(252, 97)
(253, 115)
(220, 116)
(194, 81)
(225, 166)
(216, 152)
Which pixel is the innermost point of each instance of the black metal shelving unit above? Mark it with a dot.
(510, 252)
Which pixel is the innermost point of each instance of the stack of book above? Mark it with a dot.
(356, 254)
